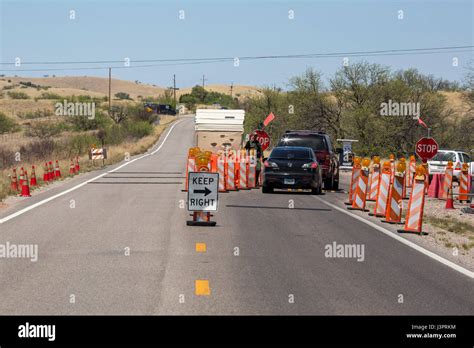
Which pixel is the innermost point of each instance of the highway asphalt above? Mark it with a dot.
(267, 254)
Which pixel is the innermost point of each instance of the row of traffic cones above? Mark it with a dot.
(74, 167)
(23, 183)
(50, 174)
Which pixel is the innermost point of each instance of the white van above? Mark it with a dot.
(437, 165)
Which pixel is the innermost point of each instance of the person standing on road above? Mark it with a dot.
(253, 143)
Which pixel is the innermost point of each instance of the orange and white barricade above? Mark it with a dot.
(354, 179)
(464, 184)
(252, 165)
(393, 212)
(448, 180)
(414, 218)
(243, 173)
(380, 208)
(410, 173)
(230, 184)
(374, 182)
(358, 203)
(190, 167)
(222, 174)
(392, 167)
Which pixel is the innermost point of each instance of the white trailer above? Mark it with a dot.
(217, 129)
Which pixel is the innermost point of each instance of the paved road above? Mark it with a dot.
(281, 253)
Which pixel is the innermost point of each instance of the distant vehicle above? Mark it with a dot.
(292, 167)
(161, 109)
(437, 165)
(320, 142)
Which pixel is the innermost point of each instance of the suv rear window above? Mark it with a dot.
(280, 153)
(466, 158)
(314, 141)
(444, 157)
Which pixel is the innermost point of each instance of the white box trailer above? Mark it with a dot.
(216, 129)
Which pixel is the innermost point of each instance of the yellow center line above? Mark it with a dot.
(201, 247)
(202, 288)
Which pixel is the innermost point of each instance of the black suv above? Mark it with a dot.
(320, 142)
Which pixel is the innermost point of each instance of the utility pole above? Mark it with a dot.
(231, 88)
(110, 91)
(203, 79)
(174, 89)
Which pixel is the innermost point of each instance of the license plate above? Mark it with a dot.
(289, 181)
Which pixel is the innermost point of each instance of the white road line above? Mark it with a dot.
(422, 250)
(36, 205)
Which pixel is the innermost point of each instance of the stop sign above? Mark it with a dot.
(426, 148)
(263, 138)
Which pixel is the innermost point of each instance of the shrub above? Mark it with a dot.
(45, 130)
(49, 95)
(139, 129)
(79, 144)
(122, 95)
(83, 123)
(35, 114)
(38, 149)
(6, 124)
(18, 95)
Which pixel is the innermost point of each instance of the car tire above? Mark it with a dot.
(329, 183)
(316, 191)
(267, 189)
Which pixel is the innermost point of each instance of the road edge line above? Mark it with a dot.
(415, 246)
(44, 201)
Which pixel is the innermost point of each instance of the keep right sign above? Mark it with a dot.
(426, 148)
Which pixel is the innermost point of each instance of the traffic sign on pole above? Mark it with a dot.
(426, 148)
(262, 137)
(203, 191)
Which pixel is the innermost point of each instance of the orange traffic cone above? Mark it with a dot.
(33, 181)
(45, 172)
(58, 170)
(14, 184)
(77, 167)
(72, 168)
(50, 171)
(450, 200)
(22, 177)
(25, 188)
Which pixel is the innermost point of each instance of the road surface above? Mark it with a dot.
(262, 258)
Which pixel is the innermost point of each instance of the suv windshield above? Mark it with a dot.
(314, 141)
(279, 153)
(444, 157)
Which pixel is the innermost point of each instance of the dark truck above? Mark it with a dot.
(161, 109)
(320, 142)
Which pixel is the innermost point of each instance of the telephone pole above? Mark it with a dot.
(174, 89)
(231, 88)
(203, 79)
(110, 90)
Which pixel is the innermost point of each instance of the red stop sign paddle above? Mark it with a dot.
(426, 148)
(263, 138)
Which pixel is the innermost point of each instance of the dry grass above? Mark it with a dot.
(115, 154)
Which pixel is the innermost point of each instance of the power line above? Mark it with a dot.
(195, 61)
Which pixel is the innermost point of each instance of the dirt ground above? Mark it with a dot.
(448, 232)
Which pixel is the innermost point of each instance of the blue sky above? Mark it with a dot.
(37, 30)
